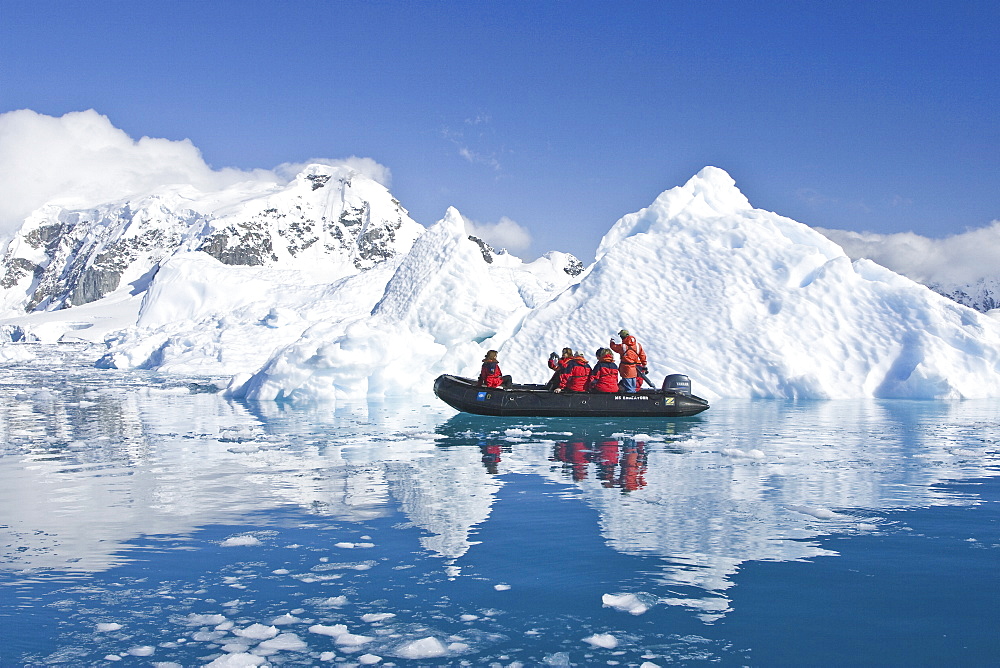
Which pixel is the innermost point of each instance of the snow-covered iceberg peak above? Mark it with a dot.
(451, 296)
(448, 287)
(711, 193)
(749, 303)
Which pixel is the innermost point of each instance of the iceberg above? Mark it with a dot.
(345, 296)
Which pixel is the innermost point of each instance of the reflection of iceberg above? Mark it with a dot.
(707, 506)
(447, 496)
(88, 465)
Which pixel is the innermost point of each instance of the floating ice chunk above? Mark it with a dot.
(245, 540)
(327, 656)
(285, 620)
(469, 618)
(285, 641)
(333, 602)
(340, 634)
(605, 640)
(112, 657)
(333, 631)
(377, 616)
(557, 659)
(195, 619)
(501, 587)
(104, 627)
(351, 639)
(629, 603)
(207, 636)
(819, 513)
(517, 432)
(236, 434)
(16, 353)
(142, 650)
(236, 647)
(425, 648)
(257, 632)
(369, 659)
(244, 449)
(649, 664)
(740, 454)
(238, 660)
(344, 546)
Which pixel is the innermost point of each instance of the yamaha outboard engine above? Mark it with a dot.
(677, 382)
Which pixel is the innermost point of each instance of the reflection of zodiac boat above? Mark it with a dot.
(466, 429)
(673, 400)
(608, 450)
(619, 464)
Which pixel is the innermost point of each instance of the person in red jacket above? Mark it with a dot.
(574, 376)
(604, 377)
(558, 365)
(490, 375)
(633, 359)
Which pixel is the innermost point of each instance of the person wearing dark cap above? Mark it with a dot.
(633, 358)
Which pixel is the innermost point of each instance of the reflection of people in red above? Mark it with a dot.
(575, 456)
(618, 464)
(491, 457)
(633, 467)
(607, 459)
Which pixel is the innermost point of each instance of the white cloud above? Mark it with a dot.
(81, 159)
(503, 234)
(478, 158)
(366, 166)
(960, 259)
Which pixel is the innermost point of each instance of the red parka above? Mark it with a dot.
(490, 375)
(604, 377)
(574, 376)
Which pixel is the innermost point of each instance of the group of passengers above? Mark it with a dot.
(573, 373)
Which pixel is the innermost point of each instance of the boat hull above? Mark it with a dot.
(536, 401)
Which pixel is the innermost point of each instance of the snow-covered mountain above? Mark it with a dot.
(325, 288)
(328, 218)
(962, 267)
(982, 295)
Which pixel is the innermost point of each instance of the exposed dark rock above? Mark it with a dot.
(318, 180)
(485, 248)
(573, 267)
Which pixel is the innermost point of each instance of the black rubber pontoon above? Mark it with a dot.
(536, 401)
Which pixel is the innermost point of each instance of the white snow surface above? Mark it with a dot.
(746, 302)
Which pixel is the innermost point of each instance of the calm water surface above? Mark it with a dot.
(146, 521)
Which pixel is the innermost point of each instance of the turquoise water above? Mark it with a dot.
(146, 521)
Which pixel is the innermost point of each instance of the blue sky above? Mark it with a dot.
(562, 116)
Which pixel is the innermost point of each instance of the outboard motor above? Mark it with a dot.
(677, 382)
